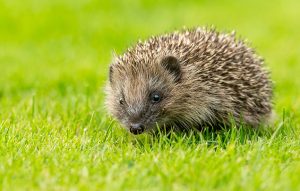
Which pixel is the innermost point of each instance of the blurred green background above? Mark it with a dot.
(43, 42)
(54, 58)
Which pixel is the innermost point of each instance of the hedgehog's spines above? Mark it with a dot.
(221, 75)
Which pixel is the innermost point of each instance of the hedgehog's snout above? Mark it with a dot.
(137, 128)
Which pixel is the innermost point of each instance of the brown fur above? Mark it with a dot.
(220, 77)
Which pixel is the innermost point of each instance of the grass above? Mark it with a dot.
(54, 131)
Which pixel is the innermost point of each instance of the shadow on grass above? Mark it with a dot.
(220, 137)
(208, 137)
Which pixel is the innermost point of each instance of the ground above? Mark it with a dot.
(55, 133)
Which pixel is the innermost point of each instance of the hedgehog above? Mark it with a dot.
(189, 79)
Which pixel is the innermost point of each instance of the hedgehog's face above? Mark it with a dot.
(139, 93)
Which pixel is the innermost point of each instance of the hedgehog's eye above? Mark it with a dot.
(121, 101)
(155, 97)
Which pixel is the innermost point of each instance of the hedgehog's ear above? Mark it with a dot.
(171, 64)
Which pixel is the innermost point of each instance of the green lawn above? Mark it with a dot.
(55, 133)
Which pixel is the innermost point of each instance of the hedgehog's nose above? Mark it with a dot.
(137, 128)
